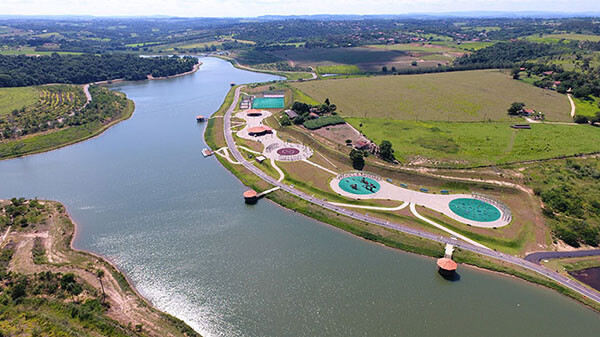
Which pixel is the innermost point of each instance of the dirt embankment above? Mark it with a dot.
(125, 305)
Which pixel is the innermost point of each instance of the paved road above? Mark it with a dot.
(537, 257)
(565, 281)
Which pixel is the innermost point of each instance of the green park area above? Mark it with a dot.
(480, 95)
(473, 144)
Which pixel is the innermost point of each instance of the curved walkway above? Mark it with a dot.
(413, 209)
(437, 202)
(377, 208)
(539, 256)
(572, 105)
(561, 279)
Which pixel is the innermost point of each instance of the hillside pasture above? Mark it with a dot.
(366, 59)
(460, 144)
(480, 95)
(17, 98)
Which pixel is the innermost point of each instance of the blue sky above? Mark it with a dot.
(229, 8)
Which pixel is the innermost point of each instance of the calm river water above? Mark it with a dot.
(176, 224)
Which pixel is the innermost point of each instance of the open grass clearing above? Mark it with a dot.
(471, 144)
(586, 107)
(17, 98)
(366, 59)
(479, 95)
(341, 69)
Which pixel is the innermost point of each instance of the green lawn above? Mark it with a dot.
(472, 144)
(586, 108)
(16, 98)
(454, 96)
(341, 69)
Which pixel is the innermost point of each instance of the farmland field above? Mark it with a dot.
(366, 59)
(471, 144)
(16, 98)
(556, 37)
(455, 96)
(40, 108)
(417, 47)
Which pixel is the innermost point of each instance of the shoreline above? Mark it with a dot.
(104, 128)
(124, 304)
(465, 257)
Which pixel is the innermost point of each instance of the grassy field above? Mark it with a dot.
(16, 98)
(341, 69)
(455, 96)
(366, 59)
(470, 144)
(586, 108)
(416, 47)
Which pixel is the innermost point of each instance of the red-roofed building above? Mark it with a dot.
(361, 145)
(259, 131)
(446, 266)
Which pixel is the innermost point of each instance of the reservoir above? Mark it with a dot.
(175, 223)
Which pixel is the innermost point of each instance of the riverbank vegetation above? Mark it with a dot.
(59, 118)
(570, 193)
(48, 289)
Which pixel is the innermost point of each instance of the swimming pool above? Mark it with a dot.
(359, 185)
(475, 209)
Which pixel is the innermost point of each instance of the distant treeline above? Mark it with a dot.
(515, 51)
(19, 71)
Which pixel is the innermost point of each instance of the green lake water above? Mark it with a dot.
(176, 224)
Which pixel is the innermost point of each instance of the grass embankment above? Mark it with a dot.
(91, 121)
(458, 144)
(385, 236)
(465, 96)
(49, 289)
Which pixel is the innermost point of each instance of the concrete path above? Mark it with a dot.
(319, 166)
(223, 153)
(249, 150)
(572, 105)
(281, 174)
(413, 209)
(377, 208)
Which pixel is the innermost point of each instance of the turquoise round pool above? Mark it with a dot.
(474, 209)
(359, 185)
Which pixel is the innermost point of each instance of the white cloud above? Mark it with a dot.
(229, 8)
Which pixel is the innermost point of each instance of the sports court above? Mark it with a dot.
(268, 103)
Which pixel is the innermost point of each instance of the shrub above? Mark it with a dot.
(313, 124)
(580, 119)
